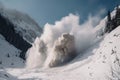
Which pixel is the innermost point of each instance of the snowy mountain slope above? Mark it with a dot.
(18, 29)
(9, 55)
(103, 65)
(24, 24)
(100, 62)
(9, 58)
(101, 26)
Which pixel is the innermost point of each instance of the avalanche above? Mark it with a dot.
(99, 62)
(97, 58)
(62, 49)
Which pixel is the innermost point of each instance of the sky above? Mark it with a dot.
(49, 11)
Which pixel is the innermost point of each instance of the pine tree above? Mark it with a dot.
(117, 16)
(109, 16)
(108, 23)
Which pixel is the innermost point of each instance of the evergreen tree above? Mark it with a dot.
(108, 23)
(109, 16)
(117, 16)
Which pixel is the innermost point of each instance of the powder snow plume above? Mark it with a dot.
(43, 51)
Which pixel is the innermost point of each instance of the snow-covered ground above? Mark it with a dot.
(9, 55)
(99, 62)
(9, 58)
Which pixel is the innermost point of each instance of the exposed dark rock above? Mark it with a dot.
(8, 31)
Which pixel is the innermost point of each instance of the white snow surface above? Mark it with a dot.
(99, 62)
(9, 55)
(9, 58)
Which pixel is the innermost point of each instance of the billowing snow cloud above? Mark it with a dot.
(84, 34)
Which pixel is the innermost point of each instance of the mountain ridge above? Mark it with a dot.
(18, 29)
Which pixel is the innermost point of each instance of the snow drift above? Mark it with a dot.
(84, 36)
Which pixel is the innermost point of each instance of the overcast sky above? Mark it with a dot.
(49, 11)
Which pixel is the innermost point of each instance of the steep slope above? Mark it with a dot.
(9, 58)
(18, 29)
(100, 62)
(9, 55)
(102, 65)
(23, 24)
(7, 30)
(100, 28)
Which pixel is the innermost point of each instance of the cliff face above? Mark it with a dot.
(8, 31)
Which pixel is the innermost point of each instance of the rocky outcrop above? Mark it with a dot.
(63, 51)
